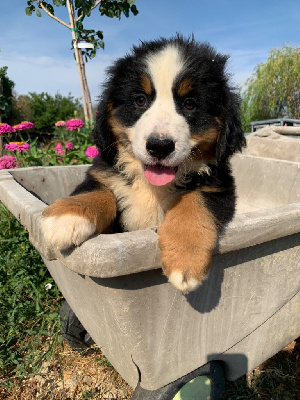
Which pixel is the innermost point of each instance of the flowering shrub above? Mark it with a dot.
(60, 123)
(17, 146)
(91, 152)
(59, 150)
(20, 146)
(24, 125)
(5, 128)
(71, 145)
(8, 162)
(74, 124)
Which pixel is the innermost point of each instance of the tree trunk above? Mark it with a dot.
(87, 91)
(77, 58)
(1, 140)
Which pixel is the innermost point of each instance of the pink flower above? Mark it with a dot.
(91, 152)
(69, 146)
(59, 150)
(17, 146)
(5, 128)
(24, 125)
(60, 123)
(74, 124)
(8, 162)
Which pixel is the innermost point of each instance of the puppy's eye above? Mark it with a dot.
(141, 101)
(189, 104)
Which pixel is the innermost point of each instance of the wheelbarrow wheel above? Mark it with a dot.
(206, 382)
(72, 330)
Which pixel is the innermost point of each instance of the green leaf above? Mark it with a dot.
(134, 10)
(100, 34)
(38, 13)
(49, 8)
(28, 11)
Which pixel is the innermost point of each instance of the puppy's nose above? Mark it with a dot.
(158, 147)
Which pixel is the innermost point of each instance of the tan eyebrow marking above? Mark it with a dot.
(185, 87)
(146, 84)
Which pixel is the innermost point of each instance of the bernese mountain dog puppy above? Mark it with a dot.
(167, 124)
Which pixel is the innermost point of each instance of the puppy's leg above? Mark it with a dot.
(70, 221)
(187, 238)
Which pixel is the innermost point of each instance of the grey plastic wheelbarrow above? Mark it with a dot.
(246, 311)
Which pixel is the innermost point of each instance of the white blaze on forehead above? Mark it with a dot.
(164, 67)
(162, 117)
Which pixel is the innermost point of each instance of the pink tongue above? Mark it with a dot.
(158, 175)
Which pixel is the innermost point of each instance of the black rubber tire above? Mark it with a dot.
(72, 330)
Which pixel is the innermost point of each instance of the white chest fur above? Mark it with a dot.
(142, 204)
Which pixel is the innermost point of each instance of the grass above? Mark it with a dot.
(29, 312)
(35, 363)
(276, 379)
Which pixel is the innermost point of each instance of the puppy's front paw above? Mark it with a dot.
(68, 222)
(186, 253)
(185, 268)
(71, 220)
(64, 231)
(183, 282)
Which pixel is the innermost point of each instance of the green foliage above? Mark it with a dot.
(83, 9)
(21, 109)
(29, 328)
(273, 91)
(6, 95)
(46, 109)
(116, 8)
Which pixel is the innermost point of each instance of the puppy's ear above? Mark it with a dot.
(232, 138)
(102, 134)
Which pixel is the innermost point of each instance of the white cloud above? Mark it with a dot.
(52, 75)
(22, 59)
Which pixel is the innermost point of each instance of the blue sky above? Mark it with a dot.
(37, 50)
